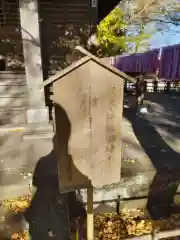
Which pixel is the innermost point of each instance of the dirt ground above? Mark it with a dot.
(151, 147)
(151, 143)
(150, 150)
(153, 140)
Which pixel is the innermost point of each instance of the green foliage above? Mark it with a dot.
(112, 34)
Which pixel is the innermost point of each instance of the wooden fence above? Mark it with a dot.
(160, 86)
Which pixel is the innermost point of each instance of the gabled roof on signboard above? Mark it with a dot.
(88, 57)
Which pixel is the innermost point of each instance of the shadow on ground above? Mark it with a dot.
(50, 211)
(165, 159)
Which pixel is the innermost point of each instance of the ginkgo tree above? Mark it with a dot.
(114, 37)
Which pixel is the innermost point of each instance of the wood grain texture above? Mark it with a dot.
(88, 117)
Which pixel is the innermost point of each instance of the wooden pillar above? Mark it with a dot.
(37, 111)
(94, 12)
(90, 216)
(92, 40)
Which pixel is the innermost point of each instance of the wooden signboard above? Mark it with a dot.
(88, 98)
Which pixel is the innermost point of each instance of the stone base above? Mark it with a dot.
(39, 115)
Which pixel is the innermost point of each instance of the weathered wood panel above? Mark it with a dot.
(88, 120)
(13, 97)
(13, 91)
(12, 115)
(12, 84)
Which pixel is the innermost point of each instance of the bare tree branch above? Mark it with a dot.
(157, 11)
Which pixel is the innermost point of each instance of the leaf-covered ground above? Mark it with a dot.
(128, 223)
